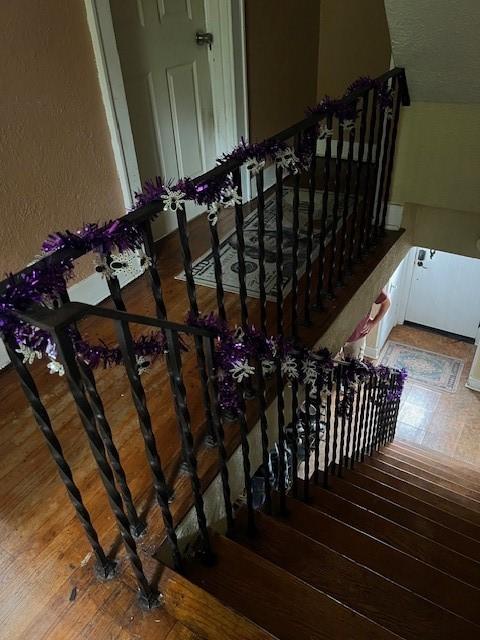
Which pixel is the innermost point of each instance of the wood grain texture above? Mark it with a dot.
(407, 518)
(418, 546)
(278, 601)
(400, 567)
(42, 544)
(365, 591)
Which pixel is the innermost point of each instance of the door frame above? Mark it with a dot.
(227, 63)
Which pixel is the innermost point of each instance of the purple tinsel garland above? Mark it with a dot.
(236, 349)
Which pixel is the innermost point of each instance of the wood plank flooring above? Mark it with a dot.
(44, 555)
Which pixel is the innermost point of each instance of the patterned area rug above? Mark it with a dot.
(433, 370)
(203, 268)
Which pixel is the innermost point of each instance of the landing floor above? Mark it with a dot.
(446, 422)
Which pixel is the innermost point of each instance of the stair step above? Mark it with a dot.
(278, 601)
(202, 613)
(423, 579)
(396, 535)
(365, 591)
(456, 494)
(406, 517)
(448, 480)
(397, 495)
(436, 458)
(428, 496)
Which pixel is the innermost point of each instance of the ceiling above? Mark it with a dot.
(438, 42)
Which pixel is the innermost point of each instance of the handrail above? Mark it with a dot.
(137, 216)
(72, 312)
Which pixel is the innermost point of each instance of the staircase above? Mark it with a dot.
(390, 550)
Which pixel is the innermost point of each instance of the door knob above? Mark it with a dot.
(204, 38)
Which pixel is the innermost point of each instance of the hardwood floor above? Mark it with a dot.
(47, 587)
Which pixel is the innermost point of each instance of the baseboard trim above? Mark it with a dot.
(473, 383)
(91, 290)
(372, 352)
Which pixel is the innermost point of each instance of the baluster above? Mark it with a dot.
(312, 187)
(246, 465)
(372, 415)
(356, 424)
(192, 297)
(306, 446)
(324, 220)
(338, 384)
(281, 433)
(382, 195)
(264, 431)
(343, 422)
(219, 433)
(217, 265)
(162, 490)
(378, 415)
(261, 250)
(318, 400)
(294, 437)
(346, 231)
(396, 115)
(349, 448)
(366, 194)
(242, 270)
(295, 228)
(365, 419)
(375, 187)
(327, 429)
(152, 270)
(104, 568)
(336, 203)
(137, 527)
(355, 237)
(186, 439)
(66, 355)
(279, 248)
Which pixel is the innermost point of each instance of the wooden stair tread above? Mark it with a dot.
(444, 478)
(380, 487)
(406, 517)
(401, 568)
(378, 598)
(434, 499)
(278, 601)
(435, 457)
(397, 536)
(202, 613)
(455, 494)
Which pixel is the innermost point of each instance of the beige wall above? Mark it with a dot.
(282, 56)
(57, 164)
(437, 175)
(354, 41)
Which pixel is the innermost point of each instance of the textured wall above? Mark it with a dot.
(354, 41)
(437, 42)
(57, 163)
(282, 56)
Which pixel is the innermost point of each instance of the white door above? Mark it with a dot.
(445, 292)
(168, 88)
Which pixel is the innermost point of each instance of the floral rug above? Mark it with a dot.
(203, 267)
(433, 370)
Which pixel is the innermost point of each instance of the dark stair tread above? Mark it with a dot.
(204, 614)
(429, 485)
(435, 499)
(406, 517)
(436, 458)
(376, 597)
(276, 600)
(448, 480)
(381, 487)
(421, 578)
(396, 535)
